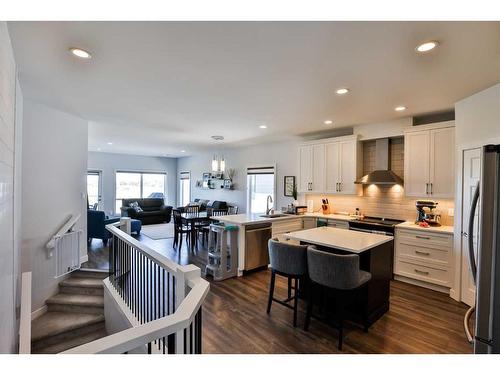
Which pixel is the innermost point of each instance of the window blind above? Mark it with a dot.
(260, 170)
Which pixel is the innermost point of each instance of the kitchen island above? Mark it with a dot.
(375, 256)
(254, 230)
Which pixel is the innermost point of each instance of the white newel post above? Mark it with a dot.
(184, 274)
(126, 225)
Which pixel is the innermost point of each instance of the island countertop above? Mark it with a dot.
(248, 219)
(347, 240)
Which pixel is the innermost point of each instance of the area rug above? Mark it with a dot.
(158, 231)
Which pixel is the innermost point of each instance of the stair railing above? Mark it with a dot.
(25, 315)
(162, 300)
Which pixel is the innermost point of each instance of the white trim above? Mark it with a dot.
(423, 284)
(432, 126)
(39, 312)
(84, 258)
(178, 187)
(332, 139)
(25, 315)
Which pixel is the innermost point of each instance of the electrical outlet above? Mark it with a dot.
(451, 212)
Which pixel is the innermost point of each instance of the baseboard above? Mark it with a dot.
(423, 284)
(39, 312)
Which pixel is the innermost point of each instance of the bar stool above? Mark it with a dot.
(340, 273)
(289, 261)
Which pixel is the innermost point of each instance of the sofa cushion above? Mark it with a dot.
(136, 206)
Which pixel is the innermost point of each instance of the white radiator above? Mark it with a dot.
(67, 252)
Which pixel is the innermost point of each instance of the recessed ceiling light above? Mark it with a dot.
(81, 53)
(263, 126)
(328, 122)
(342, 91)
(427, 46)
(400, 108)
(218, 137)
(110, 143)
(183, 151)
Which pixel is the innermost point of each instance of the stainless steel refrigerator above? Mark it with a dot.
(486, 272)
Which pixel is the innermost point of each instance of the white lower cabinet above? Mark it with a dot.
(309, 222)
(286, 226)
(339, 224)
(424, 257)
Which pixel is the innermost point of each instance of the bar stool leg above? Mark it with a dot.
(309, 305)
(289, 287)
(271, 291)
(295, 301)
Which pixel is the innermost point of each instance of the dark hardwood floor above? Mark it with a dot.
(235, 319)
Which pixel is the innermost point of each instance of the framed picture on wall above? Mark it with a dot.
(289, 185)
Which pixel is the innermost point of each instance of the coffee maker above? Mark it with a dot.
(426, 214)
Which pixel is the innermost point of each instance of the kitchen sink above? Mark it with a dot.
(274, 215)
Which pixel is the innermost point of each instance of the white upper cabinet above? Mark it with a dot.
(305, 168)
(329, 166)
(430, 163)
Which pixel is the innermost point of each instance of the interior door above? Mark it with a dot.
(417, 163)
(305, 168)
(318, 168)
(347, 169)
(442, 163)
(471, 177)
(332, 166)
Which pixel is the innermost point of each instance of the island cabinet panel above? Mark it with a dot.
(424, 258)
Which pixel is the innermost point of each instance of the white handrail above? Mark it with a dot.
(70, 223)
(188, 306)
(135, 337)
(146, 250)
(25, 316)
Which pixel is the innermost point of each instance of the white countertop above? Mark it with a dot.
(411, 225)
(247, 219)
(347, 240)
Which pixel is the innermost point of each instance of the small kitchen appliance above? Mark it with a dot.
(426, 213)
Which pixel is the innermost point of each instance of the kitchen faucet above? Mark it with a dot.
(268, 200)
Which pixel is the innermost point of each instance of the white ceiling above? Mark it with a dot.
(156, 88)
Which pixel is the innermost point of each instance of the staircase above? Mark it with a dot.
(75, 316)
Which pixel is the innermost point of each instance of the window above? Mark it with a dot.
(184, 188)
(94, 189)
(260, 184)
(139, 185)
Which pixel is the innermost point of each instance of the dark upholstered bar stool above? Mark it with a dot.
(289, 261)
(338, 272)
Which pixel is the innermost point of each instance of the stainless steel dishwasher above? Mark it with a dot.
(256, 252)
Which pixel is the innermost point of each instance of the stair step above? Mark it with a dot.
(81, 303)
(80, 285)
(71, 343)
(91, 273)
(53, 327)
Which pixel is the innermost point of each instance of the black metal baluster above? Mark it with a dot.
(171, 343)
(198, 331)
(191, 338)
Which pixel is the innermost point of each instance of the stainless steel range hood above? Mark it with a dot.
(381, 175)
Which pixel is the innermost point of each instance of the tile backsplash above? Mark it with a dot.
(382, 201)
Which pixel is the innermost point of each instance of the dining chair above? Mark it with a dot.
(204, 228)
(180, 229)
(340, 273)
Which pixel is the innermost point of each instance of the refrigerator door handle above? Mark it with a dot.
(472, 214)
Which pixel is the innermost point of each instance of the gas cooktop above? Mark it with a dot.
(380, 220)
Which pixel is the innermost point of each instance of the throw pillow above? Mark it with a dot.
(136, 207)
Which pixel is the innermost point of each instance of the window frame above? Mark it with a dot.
(165, 193)
(180, 203)
(275, 174)
(100, 200)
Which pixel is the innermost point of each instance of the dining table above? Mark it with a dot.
(190, 219)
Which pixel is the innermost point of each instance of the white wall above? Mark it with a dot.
(54, 187)
(109, 163)
(477, 118)
(283, 155)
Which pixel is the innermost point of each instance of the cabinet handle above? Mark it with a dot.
(422, 252)
(427, 188)
(421, 272)
(431, 187)
(423, 238)
(340, 186)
